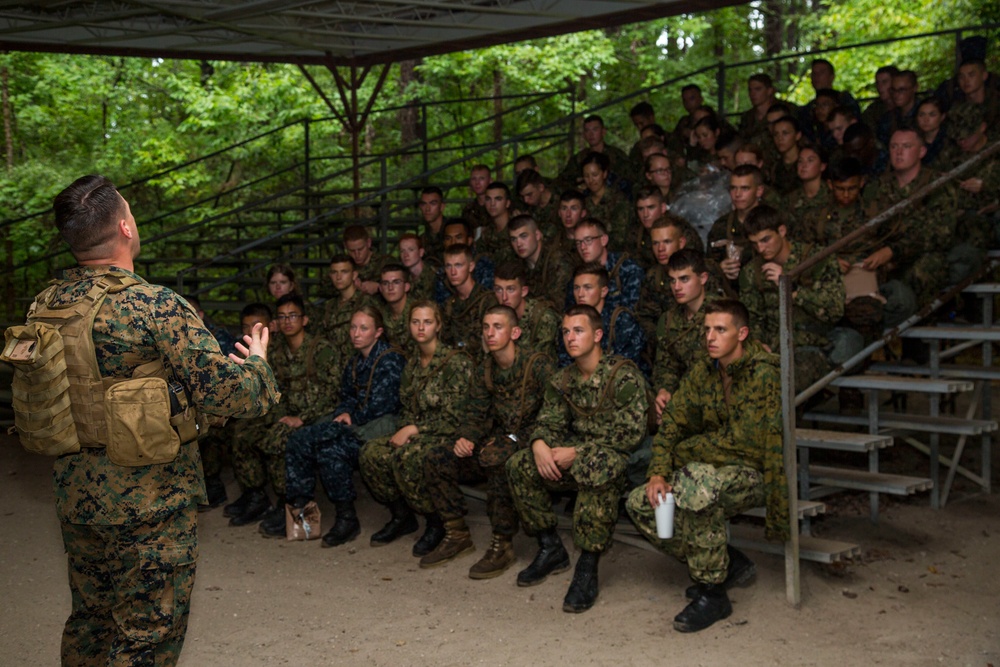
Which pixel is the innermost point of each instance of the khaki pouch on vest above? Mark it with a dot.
(41, 401)
(138, 417)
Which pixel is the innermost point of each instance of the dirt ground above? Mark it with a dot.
(925, 592)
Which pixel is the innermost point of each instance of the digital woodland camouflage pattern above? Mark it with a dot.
(680, 342)
(130, 604)
(604, 435)
(572, 174)
(496, 243)
(369, 392)
(622, 336)
(539, 327)
(549, 277)
(615, 211)
(430, 398)
(463, 320)
(336, 326)
(703, 423)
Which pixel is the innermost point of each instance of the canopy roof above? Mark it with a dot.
(327, 32)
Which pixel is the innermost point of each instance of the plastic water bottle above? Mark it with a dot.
(665, 516)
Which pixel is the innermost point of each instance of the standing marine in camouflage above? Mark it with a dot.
(303, 366)
(369, 403)
(130, 532)
(504, 397)
(719, 452)
(434, 383)
(592, 418)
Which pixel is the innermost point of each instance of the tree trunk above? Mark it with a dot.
(408, 116)
(498, 119)
(774, 29)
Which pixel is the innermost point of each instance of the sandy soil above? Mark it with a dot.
(925, 592)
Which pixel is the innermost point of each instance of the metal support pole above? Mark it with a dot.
(935, 439)
(720, 83)
(793, 592)
(383, 209)
(306, 174)
(423, 135)
(986, 411)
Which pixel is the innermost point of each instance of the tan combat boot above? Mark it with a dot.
(457, 542)
(495, 561)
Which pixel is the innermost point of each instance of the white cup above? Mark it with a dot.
(665, 516)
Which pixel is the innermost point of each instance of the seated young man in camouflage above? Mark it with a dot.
(547, 268)
(338, 309)
(540, 201)
(817, 297)
(504, 397)
(680, 331)
(369, 403)
(494, 241)
(367, 262)
(718, 461)
(622, 334)
(459, 232)
(592, 418)
(727, 241)
(423, 269)
(624, 275)
(572, 210)
(463, 311)
(474, 212)
(394, 288)
(650, 206)
(537, 318)
(303, 364)
(431, 207)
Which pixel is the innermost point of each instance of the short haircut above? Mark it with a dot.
(842, 110)
(598, 225)
(796, 125)
(572, 195)
(459, 249)
(824, 156)
(976, 62)
(392, 267)
(828, 93)
(449, 222)
(530, 159)
(509, 313)
(844, 169)
(891, 70)
(781, 107)
(732, 307)
(762, 217)
(753, 149)
(593, 269)
(728, 139)
(432, 190)
(356, 233)
(649, 192)
(590, 312)
(410, 236)
(341, 258)
(87, 212)
(760, 77)
(523, 220)
(863, 132)
(823, 61)
(652, 142)
(479, 167)
(499, 185)
(687, 258)
(691, 86)
(934, 101)
(593, 118)
(658, 131)
(256, 309)
(510, 270)
(293, 299)
(908, 74)
(529, 177)
(642, 109)
(669, 219)
(749, 170)
(600, 159)
(648, 163)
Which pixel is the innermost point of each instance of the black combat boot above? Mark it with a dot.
(433, 534)
(345, 528)
(273, 521)
(216, 493)
(711, 605)
(239, 506)
(551, 558)
(740, 571)
(256, 506)
(582, 593)
(403, 522)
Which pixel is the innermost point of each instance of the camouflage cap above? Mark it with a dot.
(965, 119)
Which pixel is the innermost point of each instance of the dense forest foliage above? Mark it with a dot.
(130, 118)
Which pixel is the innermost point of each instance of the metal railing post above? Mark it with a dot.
(792, 587)
(383, 209)
(720, 83)
(958, 51)
(423, 135)
(307, 174)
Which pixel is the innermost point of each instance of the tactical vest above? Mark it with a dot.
(61, 402)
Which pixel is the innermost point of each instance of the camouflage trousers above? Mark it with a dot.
(598, 474)
(443, 472)
(215, 447)
(810, 365)
(927, 276)
(259, 454)
(131, 588)
(394, 472)
(706, 497)
(331, 449)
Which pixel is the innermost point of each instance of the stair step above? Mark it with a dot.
(807, 508)
(840, 441)
(963, 371)
(864, 480)
(810, 548)
(949, 332)
(983, 288)
(896, 383)
(906, 422)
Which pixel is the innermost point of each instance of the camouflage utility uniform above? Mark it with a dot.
(719, 447)
(493, 411)
(430, 398)
(539, 326)
(130, 533)
(604, 418)
(369, 394)
(463, 320)
(548, 278)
